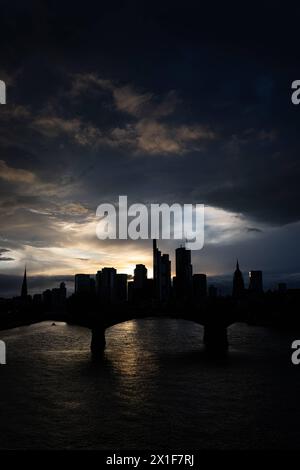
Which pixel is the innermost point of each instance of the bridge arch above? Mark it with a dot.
(214, 336)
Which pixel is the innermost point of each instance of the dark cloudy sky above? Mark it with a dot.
(160, 101)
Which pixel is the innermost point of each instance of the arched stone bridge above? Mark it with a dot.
(215, 327)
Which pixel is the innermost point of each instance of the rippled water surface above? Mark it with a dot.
(155, 388)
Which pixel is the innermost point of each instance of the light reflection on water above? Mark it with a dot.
(155, 388)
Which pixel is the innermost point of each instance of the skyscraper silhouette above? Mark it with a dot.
(140, 276)
(255, 282)
(108, 285)
(82, 284)
(238, 287)
(184, 272)
(121, 287)
(199, 286)
(165, 278)
(161, 274)
(24, 291)
(156, 270)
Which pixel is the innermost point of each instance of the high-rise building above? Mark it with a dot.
(140, 276)
(156, 271)
(58, 296)
(199, 286)
(161, 274)
(139, 288)
(55, 298)
(47, 298)
(130, 291)
(184, 273)
(24, 291)
(165, 277)
(256, 282)
(111, 287)
(238, 287)
(82, 284)
(121, 287)
(108, 285)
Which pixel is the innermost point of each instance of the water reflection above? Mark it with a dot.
(133, 363)
(154, 388)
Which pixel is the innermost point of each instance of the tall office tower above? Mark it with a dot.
(24, 291)
(165, 278)
(238, 287)
(255, 282)
(139, 290)
(199, 286)
(140, 276)
(156, 271)
(121, 287)
(184, 272)
(108, 285)
(82, 284)
(161, 274)
(130, 291)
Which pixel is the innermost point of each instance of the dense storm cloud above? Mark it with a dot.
(161, 103)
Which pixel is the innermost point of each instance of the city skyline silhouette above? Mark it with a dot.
(161, 266)
(109, 297)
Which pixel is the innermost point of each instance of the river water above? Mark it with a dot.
(156, 388)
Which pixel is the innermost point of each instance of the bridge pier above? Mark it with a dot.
(98, 341)
(215, 337)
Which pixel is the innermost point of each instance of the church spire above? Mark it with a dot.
(24, 285)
